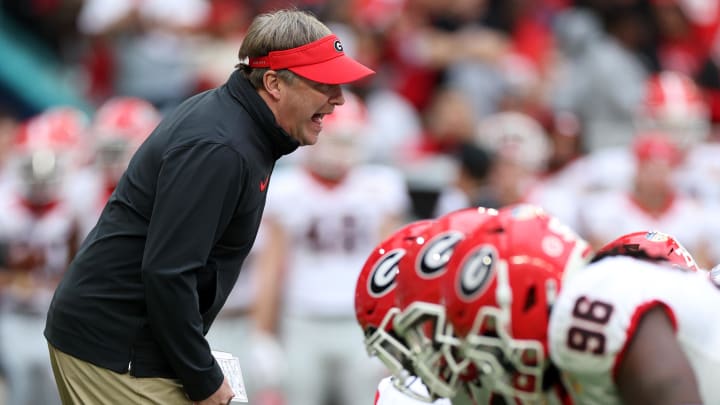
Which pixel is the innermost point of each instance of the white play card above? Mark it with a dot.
(230, 366)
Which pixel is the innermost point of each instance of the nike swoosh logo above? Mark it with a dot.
(264, 183)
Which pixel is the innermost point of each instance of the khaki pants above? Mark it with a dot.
(81, 383)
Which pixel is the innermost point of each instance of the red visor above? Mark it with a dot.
(322, 61)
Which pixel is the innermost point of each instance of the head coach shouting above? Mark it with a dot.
(127, 322)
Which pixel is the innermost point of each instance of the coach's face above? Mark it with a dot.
(302, 104)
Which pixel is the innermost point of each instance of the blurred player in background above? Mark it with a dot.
(671, 104)
(120, 125)
(322, 217)
(606, 322)
(39, 224)
(653, 202)
(521, 149)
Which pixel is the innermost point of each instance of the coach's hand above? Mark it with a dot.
(222, 396)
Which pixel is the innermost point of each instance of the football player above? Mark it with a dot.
(375, 311)
(36, 218)
(501, 284)
(653, 201)
(629, 327)
(118, 128)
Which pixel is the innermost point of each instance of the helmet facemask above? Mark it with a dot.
(434, 348)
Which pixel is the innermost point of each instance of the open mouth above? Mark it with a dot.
(318, 118)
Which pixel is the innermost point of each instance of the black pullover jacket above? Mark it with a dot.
(152, 275)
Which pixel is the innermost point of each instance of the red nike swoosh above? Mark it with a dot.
(264, 183)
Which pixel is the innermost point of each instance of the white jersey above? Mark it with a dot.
(87, 193)
(331, 230)
(605, 169)
(606, 216)
(700, 175)
(554, 199)
(388, 394)
(50, 232)
(597, 311)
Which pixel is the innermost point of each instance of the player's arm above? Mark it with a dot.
(654, 369)
(270, 277)
(264, 346)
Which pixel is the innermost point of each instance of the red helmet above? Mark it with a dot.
(673, 103)
(375, 296)
(60, 129)
(652, 245)
(45, 147)
(421, 321)
(502, 281)
(121, 124)
(126, 117)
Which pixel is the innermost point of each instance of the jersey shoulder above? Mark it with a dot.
(599, 307)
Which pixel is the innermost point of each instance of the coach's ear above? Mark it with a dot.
(271, 83)
(654, 369)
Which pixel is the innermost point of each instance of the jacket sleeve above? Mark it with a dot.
(197, 191)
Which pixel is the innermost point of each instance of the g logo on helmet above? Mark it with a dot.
(436, 255)
(338, 46)
(476, 272)
(383, 275)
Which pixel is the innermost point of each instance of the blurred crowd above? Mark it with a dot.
(604, 112)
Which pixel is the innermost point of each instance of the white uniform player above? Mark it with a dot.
(653, 202)
(594, 319)
(611, 214)
(322, 217)
(521, 150)
(34, 216)
(120, 125)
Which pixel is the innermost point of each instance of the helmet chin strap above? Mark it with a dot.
(503, 294)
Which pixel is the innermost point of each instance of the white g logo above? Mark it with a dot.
(382, 278)
(476, 271)
(437, 254)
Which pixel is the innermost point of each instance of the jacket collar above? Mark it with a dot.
(277, 138)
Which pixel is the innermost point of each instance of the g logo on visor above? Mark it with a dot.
(338, 46)
(383, 275)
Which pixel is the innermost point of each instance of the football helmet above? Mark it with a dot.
(421, 321)
(503, 279)
(43, 151)
(121, 124)
(653, 245)
(375, 297)
(674, 104)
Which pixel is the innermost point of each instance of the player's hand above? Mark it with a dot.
(222, 396)
(268, 357)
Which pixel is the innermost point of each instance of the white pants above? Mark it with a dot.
(24, 351)
(328, 355)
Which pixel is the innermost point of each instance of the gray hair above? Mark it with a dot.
(277, 31)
